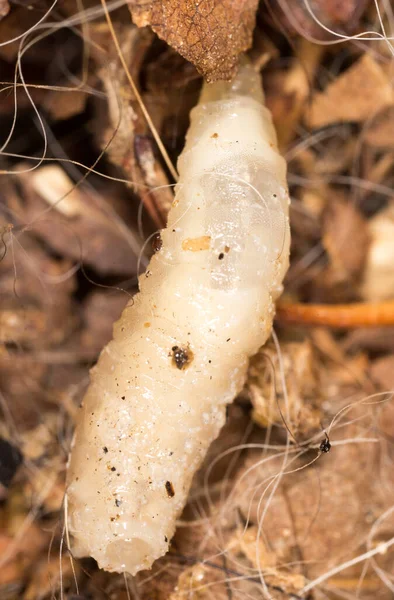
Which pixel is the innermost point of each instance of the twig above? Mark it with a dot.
(342, 316)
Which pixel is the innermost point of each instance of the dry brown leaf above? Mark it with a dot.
(378, 279)
(287, 90)
(333, 156)
(373, 339)
(51, 575)
(264, 387)
(320, 517)
(100, 311)
(62, 106)
(190, 583)
(345, 238)
(380, 132)
(247, 540)
(78, 222)
(382, 371)
(356, 95)
(37, 309)
(209, 33)
(124, 132)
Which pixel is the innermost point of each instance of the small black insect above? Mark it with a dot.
(325, 445)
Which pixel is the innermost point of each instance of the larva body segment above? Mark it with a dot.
(180, 351)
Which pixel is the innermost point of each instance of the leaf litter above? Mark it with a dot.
(83, 188)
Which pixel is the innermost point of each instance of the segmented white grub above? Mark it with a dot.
(158, 393)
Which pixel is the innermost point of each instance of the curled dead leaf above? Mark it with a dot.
(209, 33)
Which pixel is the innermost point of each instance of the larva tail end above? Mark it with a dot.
(130, 556)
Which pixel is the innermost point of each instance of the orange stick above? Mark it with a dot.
(344, 316)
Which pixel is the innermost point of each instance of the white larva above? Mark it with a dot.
(158, 393)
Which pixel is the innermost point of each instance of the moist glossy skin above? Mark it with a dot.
(180, 351)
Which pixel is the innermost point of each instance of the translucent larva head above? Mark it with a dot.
(247, 83)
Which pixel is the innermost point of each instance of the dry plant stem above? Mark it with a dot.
(181, 348)
(343, 316)
(155, 134)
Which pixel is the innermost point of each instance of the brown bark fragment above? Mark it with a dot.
(209, 33)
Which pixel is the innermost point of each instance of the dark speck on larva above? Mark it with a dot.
(181, 357)
(170, 489)
(157, 242)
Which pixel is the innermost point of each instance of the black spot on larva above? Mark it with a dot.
(170, 489)
(165, 538)
(181, 357)
(118, 502)
(123, 397)
(157, 242)
(221, 256)
(113, 468)
(105, 449)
